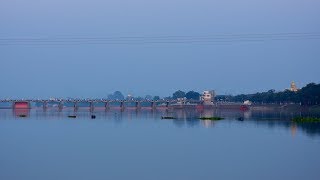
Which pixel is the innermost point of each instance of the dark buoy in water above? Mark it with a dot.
(240, 119)
(72, 116)
(93, 116)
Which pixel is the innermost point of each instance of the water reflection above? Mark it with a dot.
(184, 118)
(293, 128)
(21, 112)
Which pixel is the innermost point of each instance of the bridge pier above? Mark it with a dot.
(60, 105)
(138, 105)
(91, 106)
(153, 104)
(45, 104)
(122, 105)
(167, 104)
(75, 106)
(106, 105)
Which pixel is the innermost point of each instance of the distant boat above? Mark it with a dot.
(72, 116)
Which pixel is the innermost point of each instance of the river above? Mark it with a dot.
(138, 144)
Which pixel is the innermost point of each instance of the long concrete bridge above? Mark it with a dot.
(26, 103)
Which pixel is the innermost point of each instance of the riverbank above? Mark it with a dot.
(306, 120)
(291, 107)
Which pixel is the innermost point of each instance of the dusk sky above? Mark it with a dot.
(237, 65)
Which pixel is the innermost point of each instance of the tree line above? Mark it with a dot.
(308, 95)
(191, 95)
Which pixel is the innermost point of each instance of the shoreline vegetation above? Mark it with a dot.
(306, 120)
(308, 95)
(305, 99)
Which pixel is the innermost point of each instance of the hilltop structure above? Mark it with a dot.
(293, 87)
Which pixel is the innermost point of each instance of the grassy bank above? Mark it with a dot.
(306, 119)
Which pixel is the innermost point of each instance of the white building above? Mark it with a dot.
(207, 97)
(293, 87)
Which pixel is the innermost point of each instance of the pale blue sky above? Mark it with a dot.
(88, 70)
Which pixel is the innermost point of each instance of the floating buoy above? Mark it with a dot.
(93, 116)
(72, 116)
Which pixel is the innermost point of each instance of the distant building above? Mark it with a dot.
(247, 102)
(293, 87)
(181, 100)
(207, 97)
(129, 97)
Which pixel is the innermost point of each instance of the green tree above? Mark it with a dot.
(149, 97)
(156, 98)
(193, 95)
(310, 94)
(178, 94)
(116, 95)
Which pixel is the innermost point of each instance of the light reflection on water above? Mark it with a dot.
(138, 144)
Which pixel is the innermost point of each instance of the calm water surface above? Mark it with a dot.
(47, 145)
